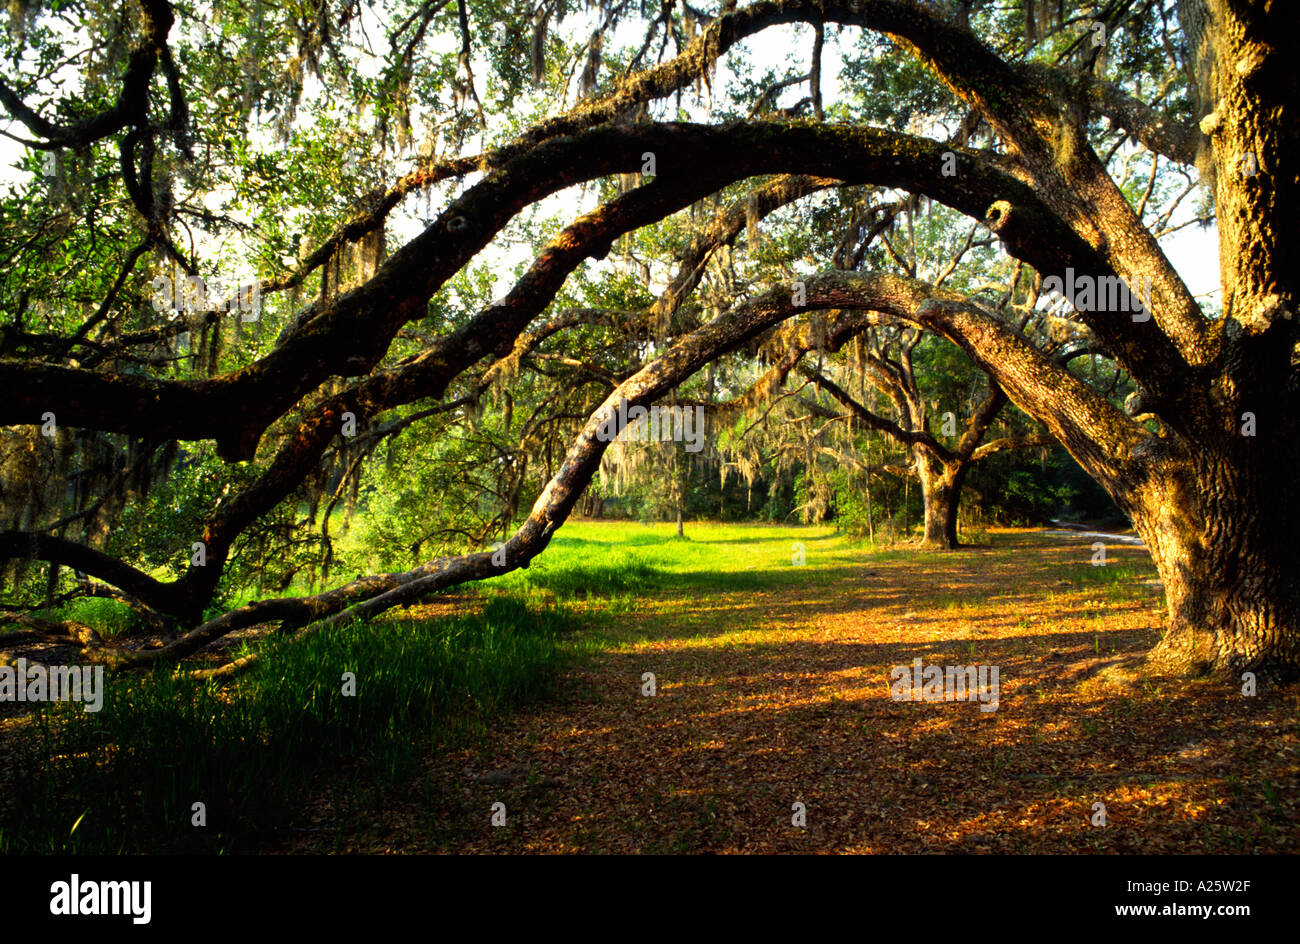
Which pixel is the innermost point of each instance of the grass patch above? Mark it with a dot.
(109, 617)
(619, 562)
(1107, 574)
(568, 576)
(125, 779)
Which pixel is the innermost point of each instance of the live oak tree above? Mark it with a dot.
(776, 425)
(164, 117)
(890, 358)
(941, 468)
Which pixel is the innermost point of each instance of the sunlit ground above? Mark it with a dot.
(773, 688)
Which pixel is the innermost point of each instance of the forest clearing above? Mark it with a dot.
(772, 686)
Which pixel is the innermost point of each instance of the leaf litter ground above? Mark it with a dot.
(776, 692)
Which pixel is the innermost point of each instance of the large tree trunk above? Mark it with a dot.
(941, 495)
(1226, 555)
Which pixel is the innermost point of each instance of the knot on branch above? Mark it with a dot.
(998, 216)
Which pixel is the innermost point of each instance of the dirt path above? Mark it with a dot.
(765, 699)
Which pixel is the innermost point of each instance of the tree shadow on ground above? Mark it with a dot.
(768, 699)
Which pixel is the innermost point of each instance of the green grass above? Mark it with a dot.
(124, 779)
(109, 617)
(1116, 582)
(1110, 573)
(568, 576)
(606, 559)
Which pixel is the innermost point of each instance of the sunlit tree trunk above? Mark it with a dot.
(1222, 536)
(941, 492)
